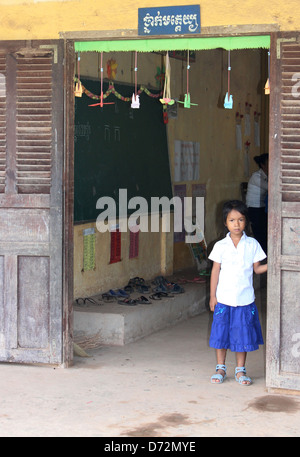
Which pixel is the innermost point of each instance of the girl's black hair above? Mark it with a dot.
(239, 206)
(261, 159)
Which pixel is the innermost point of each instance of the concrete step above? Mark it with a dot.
(117, 325)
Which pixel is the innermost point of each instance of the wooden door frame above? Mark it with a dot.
(276, 262)
(60, 347)
(70, 38)
(68, 196)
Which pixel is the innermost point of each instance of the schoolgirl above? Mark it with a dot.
(236, 323)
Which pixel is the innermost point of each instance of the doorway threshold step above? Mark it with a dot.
(116, 324)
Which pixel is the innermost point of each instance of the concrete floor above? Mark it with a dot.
(158, 386)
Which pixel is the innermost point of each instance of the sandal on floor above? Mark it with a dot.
(107, 297)
(143, 289)
(156, 296)
(243, 380)
(86, 301)
(128, 289)
(118, 293)
(160, 295)
(143, 300)
(127, 301)
(160, 289)
(175, 289)
(219, 378)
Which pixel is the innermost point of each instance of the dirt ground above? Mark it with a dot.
(158, 386)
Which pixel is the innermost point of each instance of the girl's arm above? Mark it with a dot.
(259, 269)
(214, 279)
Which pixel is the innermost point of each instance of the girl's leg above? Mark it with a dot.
(221, 357)
(240, 362)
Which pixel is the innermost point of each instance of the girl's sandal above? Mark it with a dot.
(218, 378)
(243, 380)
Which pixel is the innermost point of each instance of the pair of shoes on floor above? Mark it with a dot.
(163, 285)
(160, 295)
(118, 293)
(218, 378)
(140, 300)
(87, 301)
(138, 284)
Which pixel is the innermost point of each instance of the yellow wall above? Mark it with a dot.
(44, 19)
(155, 258)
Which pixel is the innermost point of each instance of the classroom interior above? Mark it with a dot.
(221, 141)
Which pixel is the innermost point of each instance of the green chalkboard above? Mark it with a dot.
(118, 147)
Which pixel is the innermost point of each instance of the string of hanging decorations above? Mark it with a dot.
(111, 90)
(80, 89)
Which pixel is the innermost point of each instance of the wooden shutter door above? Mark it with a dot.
(283, 315)
(31, 202)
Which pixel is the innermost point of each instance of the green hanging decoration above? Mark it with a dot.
(187, 97)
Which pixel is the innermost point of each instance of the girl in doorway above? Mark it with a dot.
(235, 324)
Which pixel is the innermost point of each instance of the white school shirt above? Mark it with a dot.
(257, 190)
(235, 285)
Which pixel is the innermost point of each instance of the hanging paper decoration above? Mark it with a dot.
(267, 85)
(78, 87)
(101, 93)
(111, 90)
(135, 103)
(111, 69)
(167, 91)
(228, 102)
(187, 97)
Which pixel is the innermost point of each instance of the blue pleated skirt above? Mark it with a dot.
(236, 328)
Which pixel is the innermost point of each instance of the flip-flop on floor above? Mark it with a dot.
(127, 301)
(143, 300)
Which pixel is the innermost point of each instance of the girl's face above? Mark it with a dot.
(235, 223)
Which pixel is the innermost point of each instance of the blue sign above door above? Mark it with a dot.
(169, 20)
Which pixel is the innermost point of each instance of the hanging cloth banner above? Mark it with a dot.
(175, 44)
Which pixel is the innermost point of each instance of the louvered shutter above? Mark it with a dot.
(31, 202)
(283, 306)
(2, 122)
(34, 123)
(290, 122)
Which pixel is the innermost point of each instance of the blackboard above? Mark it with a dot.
(118, 147)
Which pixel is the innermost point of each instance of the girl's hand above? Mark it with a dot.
(212, 303)
(259, 269)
